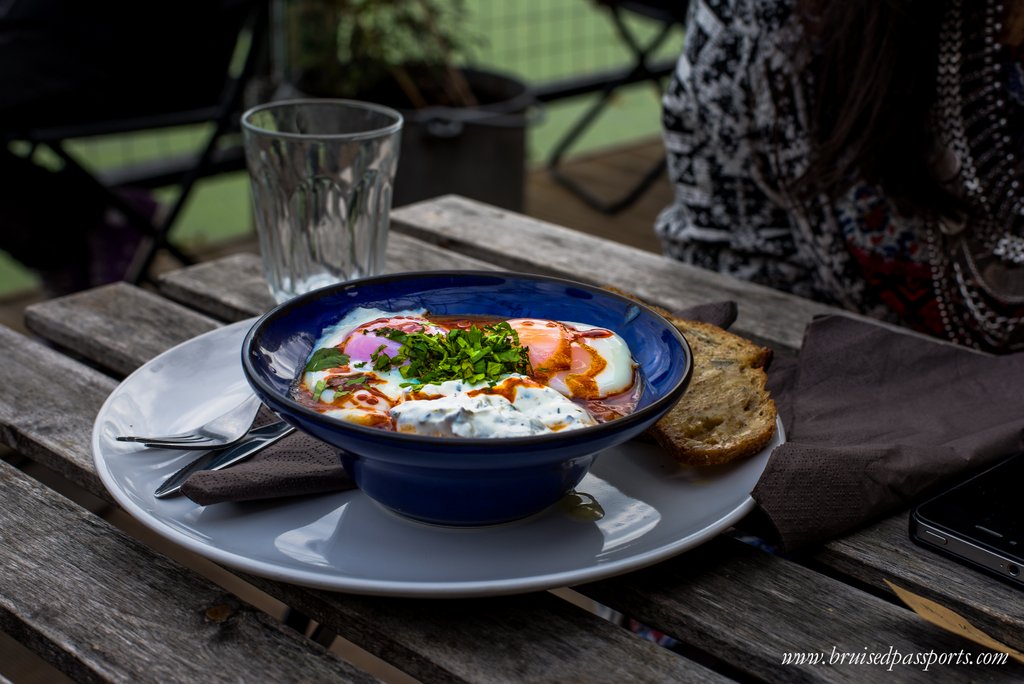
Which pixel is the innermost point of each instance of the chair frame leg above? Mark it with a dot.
(143, 261)
(156, 235)
(640, 72)
(134, 217)
(230, 105)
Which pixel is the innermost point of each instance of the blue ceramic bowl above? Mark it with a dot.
(464, 481)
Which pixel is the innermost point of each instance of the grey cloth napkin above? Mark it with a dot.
(877, 420)
(298, 464)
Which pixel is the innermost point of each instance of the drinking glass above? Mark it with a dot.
(321, 173)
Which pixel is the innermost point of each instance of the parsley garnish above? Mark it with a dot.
(342, 386)
(348, 382)
(474, 355)
(328, 357)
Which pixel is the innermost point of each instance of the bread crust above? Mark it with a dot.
(727, 412)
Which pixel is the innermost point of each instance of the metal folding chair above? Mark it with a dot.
(209, 160)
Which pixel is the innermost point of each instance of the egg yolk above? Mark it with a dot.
(549, 344)
(581, 363)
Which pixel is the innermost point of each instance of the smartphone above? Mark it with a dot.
(979, 522)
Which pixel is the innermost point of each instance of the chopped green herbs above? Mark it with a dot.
(318, 390)
(473, 355)
(328, 357)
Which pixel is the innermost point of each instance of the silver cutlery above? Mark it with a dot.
(223, 430)
(255, 441)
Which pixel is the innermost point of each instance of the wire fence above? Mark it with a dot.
(544, 40)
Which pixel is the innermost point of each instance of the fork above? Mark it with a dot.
(223, 430)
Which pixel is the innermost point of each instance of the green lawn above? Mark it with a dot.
(537, 40)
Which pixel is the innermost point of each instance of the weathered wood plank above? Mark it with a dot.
(229, 289)
(885, 552)
(100, 606)
(115, 324)
(234, 288)
(516, 242)
(49, 421)
(59, 436)
(775, 607)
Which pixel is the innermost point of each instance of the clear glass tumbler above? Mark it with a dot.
(321, 173)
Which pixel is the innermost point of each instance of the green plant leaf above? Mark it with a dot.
(327, 357)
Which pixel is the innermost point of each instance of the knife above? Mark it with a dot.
(215, 459)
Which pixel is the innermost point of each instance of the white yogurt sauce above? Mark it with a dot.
(459, 410)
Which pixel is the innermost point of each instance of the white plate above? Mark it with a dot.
(652, 507)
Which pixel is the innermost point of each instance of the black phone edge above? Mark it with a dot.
(965, 551)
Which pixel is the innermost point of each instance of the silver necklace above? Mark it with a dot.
(978, 264)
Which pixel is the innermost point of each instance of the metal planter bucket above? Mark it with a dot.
(477, 152)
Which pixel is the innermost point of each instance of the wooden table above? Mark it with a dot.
(100, 605)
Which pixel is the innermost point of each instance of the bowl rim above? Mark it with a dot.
(461, 443)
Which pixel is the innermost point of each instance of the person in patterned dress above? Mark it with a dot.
(866, 153)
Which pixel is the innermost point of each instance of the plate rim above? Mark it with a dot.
(396, 588)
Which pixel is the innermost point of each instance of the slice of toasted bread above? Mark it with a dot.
(726, 412)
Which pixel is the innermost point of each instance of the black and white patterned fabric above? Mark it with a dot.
(736, 132)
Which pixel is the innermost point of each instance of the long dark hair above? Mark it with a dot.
(874, 64)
